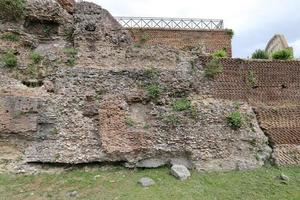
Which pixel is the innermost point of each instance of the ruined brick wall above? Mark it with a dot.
(274, 94)
(212, 39)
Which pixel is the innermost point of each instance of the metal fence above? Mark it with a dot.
(170, 23)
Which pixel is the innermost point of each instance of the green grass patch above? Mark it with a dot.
(235, 120)
(36, 57)
(154, 91)
(10, 59)
(213, 68)
(13, 37)
(12, 9)
(119, 183)
(220, 54)
(181, 104)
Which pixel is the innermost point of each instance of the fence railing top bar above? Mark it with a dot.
(167, 18)
(170, 23)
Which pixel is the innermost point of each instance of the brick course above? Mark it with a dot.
(212, 39)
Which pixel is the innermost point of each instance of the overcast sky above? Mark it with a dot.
(253, 21)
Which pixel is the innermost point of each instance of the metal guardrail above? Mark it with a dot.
(170, 23)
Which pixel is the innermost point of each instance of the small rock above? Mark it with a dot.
(284, 178)
(180, 172)
(72, 194)
(146, 182)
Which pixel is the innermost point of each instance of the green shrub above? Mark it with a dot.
(252, 79)
(181, 104)
(129, 122)
(260, 54)
(154, 91)
(10, 59)
(36, 57)
(71, 52)
(284, 54)
(230, 32)
(235, 120)
(152, 73)
(12, 9)
(13, 37)
(213, 68)
(220, 54)
(144, 38)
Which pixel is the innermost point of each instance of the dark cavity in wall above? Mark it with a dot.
(33, 83)
(45, 29)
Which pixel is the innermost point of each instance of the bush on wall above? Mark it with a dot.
(12, 9)
(220, 54)
(284, 54)
(260, 54)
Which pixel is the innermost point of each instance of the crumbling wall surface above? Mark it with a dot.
(117, 104)
(272, 88)
(108, 116)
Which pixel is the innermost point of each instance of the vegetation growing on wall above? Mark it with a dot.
(13, 37)
(260, 54)
(284, 54)
(213, 68)
(220, 54)
(154, 91)
(230, 32)
(12, 9)
(71, 53)
(36, 57)
(10, 59)
(235, 120)
(252, 79)
(181, 104)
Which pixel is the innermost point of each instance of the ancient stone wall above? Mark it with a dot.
(212, 40)
(272, 88)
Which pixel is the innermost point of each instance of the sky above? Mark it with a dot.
(254, 22)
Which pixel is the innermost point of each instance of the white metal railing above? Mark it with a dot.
(170, 23)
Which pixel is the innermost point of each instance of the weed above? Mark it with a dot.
(10, 59)
(252, 79)
(181, 104)
(235, 120)
(230, 32)
(220, 54)
(146, 126)
(129, 122)
(71, 52)
(154, 91)
(12, 9)
(36, 57)
(144, 38)
(151, 73)
(13, 37)
(213, 68)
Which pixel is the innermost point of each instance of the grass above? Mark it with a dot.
(10, 59)
(181, 104)
(36, 57)
(154, 91)
(71, 53)
(118, 183)
(13, 37)
(213, 68)
(235, 120)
